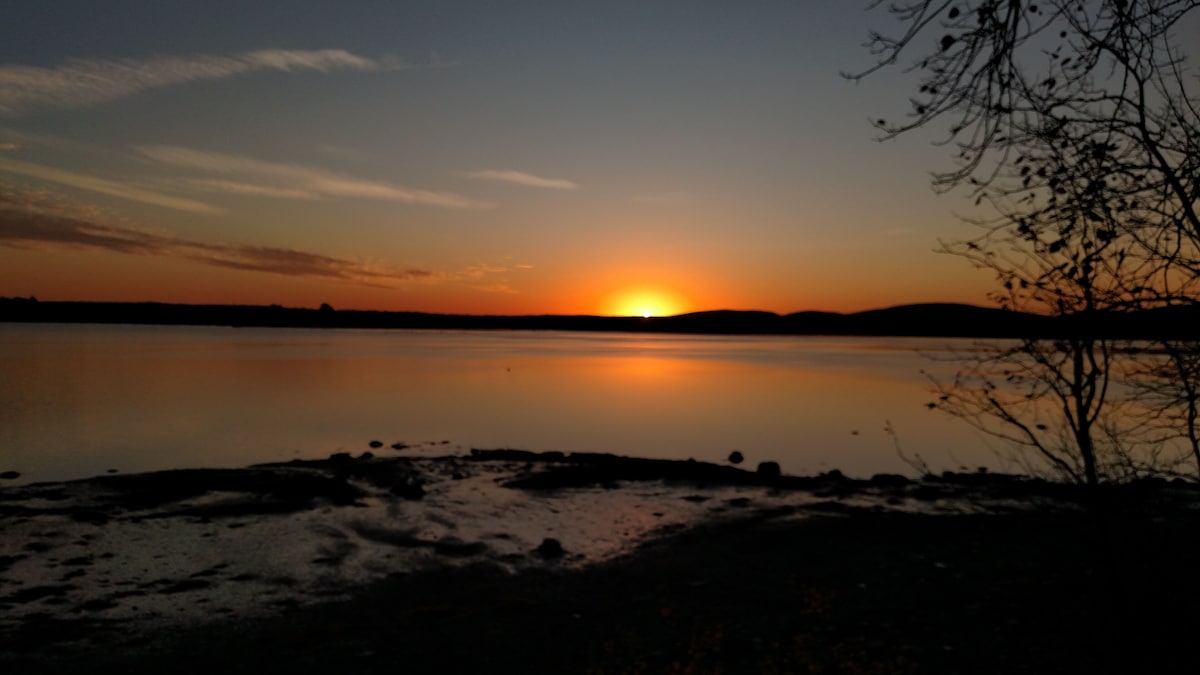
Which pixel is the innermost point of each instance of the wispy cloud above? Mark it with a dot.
(103, 186)
(80, 82)
(37, 230)
(232, 187)
(522, 178)
(36, 219)
(504, 289)
(295, 179)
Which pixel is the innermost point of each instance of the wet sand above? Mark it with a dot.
(403, 565)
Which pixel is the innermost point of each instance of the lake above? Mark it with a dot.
(80, 400)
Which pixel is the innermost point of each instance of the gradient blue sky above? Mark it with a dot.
(481, 157)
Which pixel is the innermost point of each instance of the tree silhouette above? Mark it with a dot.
(1052, 396)
(1073, 128)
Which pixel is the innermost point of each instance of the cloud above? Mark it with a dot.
(103, 186)
(20, 229)
(497, 288)
(232, 187)
(26, 229)
(81, 82)
(522, 178)
(479, 271)
(36, 219)
(294, 179)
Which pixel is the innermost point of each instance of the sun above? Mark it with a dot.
(644, 301)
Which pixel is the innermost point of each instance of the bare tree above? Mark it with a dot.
(1101, 82)
(1073, 129)
(1051, 394)
(1004, 72)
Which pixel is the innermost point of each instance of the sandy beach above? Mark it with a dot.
(516, 561)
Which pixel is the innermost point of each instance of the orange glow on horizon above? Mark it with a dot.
(644, 301)
(630, 289)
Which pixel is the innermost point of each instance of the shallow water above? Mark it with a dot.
(79, 400)
(147, 552)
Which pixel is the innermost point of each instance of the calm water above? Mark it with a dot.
(79, 400)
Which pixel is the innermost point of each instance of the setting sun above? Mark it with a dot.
(644, 301)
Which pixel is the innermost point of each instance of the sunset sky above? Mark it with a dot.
(476, 157)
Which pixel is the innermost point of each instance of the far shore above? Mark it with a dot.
(582, 563)
(916, 320)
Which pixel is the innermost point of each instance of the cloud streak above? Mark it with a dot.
(233, 187)
(40, 221)
(40, 230)
(103, 186)
(80, 82)
(296, 181)
(522, 178)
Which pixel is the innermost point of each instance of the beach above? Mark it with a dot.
(551, 562)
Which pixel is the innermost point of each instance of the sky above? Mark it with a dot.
(470, 157)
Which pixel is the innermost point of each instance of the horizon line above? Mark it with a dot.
(944, 303)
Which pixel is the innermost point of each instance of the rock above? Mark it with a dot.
(833, 474)
(376, 444)
(340, 458)
(550, 548)
(735, 457)
(10, 475)
(367, 455)
(505, 455)
(768, 469)
(399, 446)
(887, 480)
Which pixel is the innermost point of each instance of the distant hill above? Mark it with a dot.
(946, 319)
(921, 320)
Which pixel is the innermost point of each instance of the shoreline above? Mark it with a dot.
(931, 320)
(362, 559)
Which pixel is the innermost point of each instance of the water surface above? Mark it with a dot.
(78, 400)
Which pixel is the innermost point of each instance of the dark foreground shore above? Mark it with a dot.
(826, 587)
